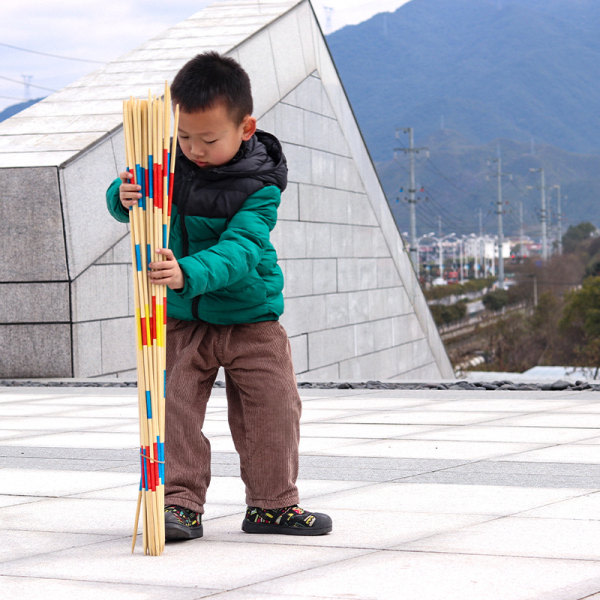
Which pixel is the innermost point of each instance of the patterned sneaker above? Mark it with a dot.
(290, 520)
(182, 523)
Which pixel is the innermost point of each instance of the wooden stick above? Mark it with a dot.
(146, 125)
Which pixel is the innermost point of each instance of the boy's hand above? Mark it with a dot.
(129, 193)
(166, 272)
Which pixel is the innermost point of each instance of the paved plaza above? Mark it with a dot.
(435, 495)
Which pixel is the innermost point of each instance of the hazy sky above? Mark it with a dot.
(102, 30)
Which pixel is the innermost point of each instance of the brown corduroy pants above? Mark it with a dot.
(263, 410)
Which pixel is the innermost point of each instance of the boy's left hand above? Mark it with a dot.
(166, 272)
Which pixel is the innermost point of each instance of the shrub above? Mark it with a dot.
(495, 300)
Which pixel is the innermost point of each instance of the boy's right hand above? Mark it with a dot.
(129, 193)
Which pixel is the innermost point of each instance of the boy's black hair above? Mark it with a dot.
(209, 78)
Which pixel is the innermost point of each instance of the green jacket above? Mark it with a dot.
(221, 221)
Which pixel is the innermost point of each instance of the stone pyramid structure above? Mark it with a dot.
(354, 309)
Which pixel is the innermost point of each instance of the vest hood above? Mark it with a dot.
(260, 158)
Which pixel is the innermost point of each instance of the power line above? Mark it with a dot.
(100, 62)
(31, 84)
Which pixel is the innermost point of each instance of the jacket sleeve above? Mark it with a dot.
(113, 203)
(239, 249)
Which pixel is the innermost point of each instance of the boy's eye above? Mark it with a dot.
(210, 141)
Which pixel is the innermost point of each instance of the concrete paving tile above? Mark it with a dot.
(243, 594)
(326, 414)
(580, 453)
(553, 419)
(590, 407)
(389, 575)
(367, 403)
(356, 528)
(64, 464)
(520, 467)
(22, 409)
(119, 492)
(516, 536)
(67, 453)
(231, 490)
(16, 434)
(448, 498)
(363, 430)
(515, 404)
(592, 441)
(33, 588)
(246, 563)
(350, 474)
(586, 507)
(117, 411)
(407, 448)
(6, 500)
(132, 426)
(532, 480)
(77, 439)
(215, 427)
(222, 443)
(12, 394)
(416, 417)
(33, 482)
(73, 515)
(84, 399)
(53, 424)
(326, 445)
(491, 433)
(18, 545)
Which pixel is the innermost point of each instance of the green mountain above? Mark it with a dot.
(471, 77)
(457, 181)
(13, 109)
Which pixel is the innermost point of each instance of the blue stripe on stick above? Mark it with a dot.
(148, 405)
(161, 457)
(150, 176)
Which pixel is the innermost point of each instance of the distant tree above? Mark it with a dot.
(577, 234)
(592, 267)
(495, 300)
(444, 315)
(580, 324)
(510, 345)
(544, 327)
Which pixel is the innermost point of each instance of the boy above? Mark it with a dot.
(224, 301)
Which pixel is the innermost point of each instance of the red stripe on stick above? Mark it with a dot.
(155, 472)
(144, 336)
(157, 186)
(153, 322)
(150, 467)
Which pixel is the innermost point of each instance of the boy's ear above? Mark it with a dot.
(248, 127)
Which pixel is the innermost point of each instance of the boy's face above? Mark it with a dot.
(210, 138)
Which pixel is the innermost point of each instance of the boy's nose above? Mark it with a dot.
(197, 151)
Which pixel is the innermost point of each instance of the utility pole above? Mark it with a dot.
(543, 215)
(499, 212)
(27, 83)
(412, 189)
(481, 246)
(521, 232)
(559, 219)
(328, 12)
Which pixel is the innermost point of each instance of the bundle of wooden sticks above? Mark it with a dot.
(150, 156)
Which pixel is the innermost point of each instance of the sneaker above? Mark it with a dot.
(290, 520)
(182, 523)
